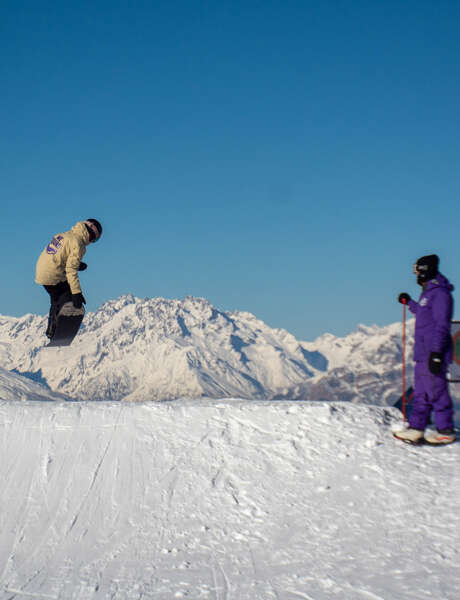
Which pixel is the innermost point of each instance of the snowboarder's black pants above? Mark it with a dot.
(59, 295)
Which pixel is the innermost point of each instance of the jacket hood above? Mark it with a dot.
(79, 229)
(440, 281)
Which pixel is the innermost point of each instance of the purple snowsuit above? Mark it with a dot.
(433, 314)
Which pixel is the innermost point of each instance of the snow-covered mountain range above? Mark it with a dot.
(158, 349)
(16, 387)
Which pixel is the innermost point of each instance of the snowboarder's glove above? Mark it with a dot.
(83, 266)
(78, 300)
(404, 298)
(435, 363)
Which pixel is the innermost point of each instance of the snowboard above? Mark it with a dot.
(68, 323)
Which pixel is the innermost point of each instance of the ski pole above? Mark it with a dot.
(404, 362)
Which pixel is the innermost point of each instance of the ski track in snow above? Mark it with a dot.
(223, 500)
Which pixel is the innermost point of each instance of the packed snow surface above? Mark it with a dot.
(223, 500)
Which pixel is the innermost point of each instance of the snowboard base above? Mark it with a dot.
(68, 323)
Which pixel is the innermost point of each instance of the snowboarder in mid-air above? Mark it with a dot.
(57, 271)
(432, 355)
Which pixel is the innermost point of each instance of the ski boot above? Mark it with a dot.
(440, 437)
(410, 436)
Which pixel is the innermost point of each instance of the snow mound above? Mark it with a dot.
(223, 499)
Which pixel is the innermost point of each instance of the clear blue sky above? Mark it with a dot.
(287, 158)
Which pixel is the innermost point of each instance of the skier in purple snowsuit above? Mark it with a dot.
(432, 355)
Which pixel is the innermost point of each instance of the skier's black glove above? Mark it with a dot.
(404, 298)
(83, 266)
(435, 363)
(78, 300)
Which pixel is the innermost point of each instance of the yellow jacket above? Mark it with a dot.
(60, 260)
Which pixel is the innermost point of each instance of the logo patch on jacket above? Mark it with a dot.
(424, 302)
(55, 244)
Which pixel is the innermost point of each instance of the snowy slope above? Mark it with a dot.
(223, 500)
(163, 349)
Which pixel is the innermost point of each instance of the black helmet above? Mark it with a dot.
(426, 268)
(94, 229)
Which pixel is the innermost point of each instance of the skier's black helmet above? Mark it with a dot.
(94, 229)
(426, 268)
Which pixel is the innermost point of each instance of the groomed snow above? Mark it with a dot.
(223, 500)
